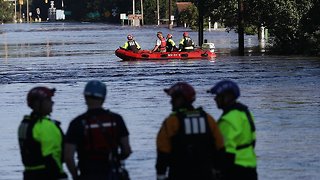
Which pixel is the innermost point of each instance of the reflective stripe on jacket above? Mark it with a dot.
(239, 134)
(131, 45)
(196, 125)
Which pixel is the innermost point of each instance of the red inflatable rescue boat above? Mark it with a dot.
(197, 54)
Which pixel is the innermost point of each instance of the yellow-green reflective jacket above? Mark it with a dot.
(131, 45)
(39, 138)
(238, 130)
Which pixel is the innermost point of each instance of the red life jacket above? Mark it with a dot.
(101, 137)
(163, 45)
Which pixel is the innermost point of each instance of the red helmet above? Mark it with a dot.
(129, 37)
(169, 36)
(184, 89)
(185, 34)
(39, 94)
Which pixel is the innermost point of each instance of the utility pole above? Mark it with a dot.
(20, 13)
(133, 7)
(27, 14)
(158, 16)
(169, 25)
(142, 12)
(15, 11)
(240, 28)
(200, 22)
(133, 13)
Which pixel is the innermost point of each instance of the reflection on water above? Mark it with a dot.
(280, 91)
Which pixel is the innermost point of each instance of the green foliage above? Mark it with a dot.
(292, 24)
(250, 30)
(6, 11)
(149, 12)
(225, 12)
(310, 31)
(189, 16)
(285, 25)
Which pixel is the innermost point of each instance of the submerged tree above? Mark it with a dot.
(283, 18)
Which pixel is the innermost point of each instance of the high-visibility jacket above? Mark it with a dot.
(170, 45)
(238, 130)
(40, 138)
(131, 45)
(186, 44)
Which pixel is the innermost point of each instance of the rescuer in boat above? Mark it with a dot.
(131, 44)
(41, 138)
(237, 127)
(189, 142)
(186, 43)
(171, 45)
(160, 43)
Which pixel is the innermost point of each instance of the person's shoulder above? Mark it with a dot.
(42, 122)
(231, 115)
(79, 118)
(210, 118)
(113, 114)
(27, 117)
(171, 122)
(45, 125)
(200, 109)
(173, 116)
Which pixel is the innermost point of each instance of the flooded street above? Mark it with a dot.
(282, 92)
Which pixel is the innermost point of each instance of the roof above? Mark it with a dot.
(181, 6)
